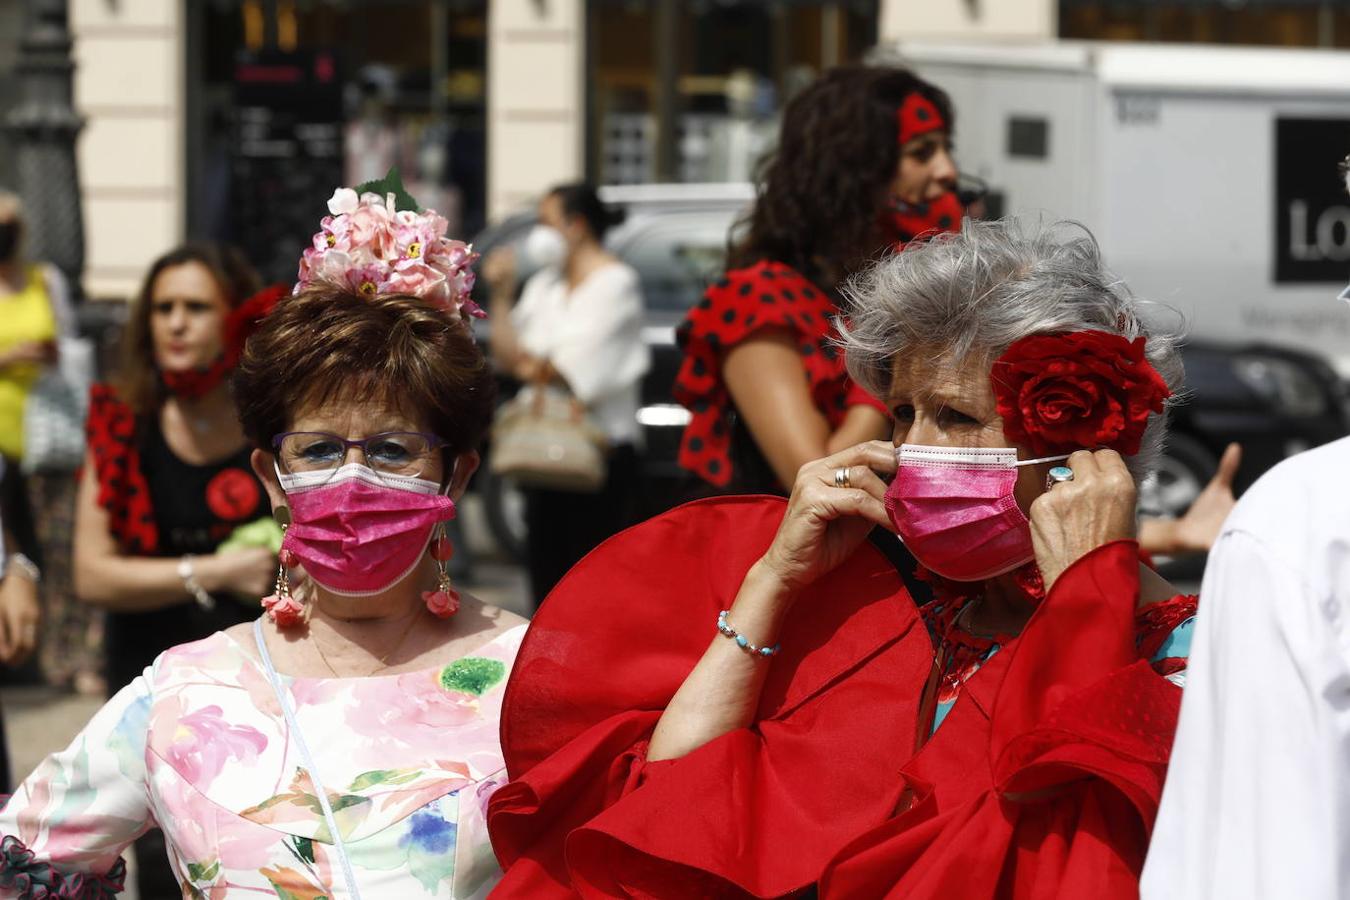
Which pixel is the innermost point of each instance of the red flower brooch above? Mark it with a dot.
(1080, 391)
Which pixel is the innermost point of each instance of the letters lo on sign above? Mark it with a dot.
(1311, 220)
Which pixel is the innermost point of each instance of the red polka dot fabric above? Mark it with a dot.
(767, 295)
(122, 489)
(917, 115)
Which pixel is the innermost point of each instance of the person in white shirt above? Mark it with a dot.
(1257, 800)
(578, 324)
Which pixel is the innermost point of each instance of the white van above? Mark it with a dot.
(1208, 174)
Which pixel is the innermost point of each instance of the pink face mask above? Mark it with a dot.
(955, 510)
(357, 533)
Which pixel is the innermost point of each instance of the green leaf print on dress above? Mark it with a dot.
(472, 675)
(383, 776)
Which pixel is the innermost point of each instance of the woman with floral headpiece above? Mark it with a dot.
(344, 743)
(784, 712)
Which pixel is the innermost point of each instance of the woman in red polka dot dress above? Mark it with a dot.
(167, 479)
(863, 166)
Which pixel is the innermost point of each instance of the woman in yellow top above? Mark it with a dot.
(34, 312)
(38, 510)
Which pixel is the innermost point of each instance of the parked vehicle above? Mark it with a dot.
(1276, 402)
(1209, 174)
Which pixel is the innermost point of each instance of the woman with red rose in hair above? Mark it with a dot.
(167, 481)
(787, 714)
(863, 166)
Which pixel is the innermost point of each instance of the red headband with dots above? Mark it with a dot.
(917, 115)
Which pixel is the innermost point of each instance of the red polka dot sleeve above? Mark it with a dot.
(767, 295)
(122, 489)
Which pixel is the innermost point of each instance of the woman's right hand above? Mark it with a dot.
(825, 523)
(250, 572)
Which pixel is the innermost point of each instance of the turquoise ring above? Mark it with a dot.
(1058, 475)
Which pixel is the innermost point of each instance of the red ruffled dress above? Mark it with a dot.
(766, 295)
(1042, 781)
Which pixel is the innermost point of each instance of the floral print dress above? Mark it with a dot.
(200, 747)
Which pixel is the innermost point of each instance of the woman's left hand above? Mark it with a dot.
(1076, 517)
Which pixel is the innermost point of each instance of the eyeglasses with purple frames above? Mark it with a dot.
(388, 453)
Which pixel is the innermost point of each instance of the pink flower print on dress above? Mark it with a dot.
(203, 742)
(407, 713)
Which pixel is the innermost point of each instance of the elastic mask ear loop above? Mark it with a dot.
(450, 482)
(1043, 459)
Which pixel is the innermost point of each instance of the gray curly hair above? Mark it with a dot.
(966, 297)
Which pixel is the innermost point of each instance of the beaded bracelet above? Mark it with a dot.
(741, 640)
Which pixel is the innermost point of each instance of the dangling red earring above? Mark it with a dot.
(444, 601)
(282, 608)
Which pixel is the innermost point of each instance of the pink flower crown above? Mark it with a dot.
(369, 246)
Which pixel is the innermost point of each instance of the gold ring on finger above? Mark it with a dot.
(841, 477)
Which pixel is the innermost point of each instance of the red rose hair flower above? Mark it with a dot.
(244, 319)
(1080, 391)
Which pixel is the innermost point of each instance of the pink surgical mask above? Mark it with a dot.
(955, 510)
(357, 533)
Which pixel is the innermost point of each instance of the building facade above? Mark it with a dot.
(225, 118)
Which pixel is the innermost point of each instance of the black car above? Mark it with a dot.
(1274, 401)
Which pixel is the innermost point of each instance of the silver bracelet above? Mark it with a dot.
(194, 587)
(25, 565)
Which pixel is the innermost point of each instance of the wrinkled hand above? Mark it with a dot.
(1196, 531)
(824, 524)
(19, 615)
(1076, 517)
(499, 268)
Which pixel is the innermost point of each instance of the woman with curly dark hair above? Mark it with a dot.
(863, 166)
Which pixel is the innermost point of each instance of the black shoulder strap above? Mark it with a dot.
(905, 564)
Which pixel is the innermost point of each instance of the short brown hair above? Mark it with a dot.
(328, 342)
(138, 381)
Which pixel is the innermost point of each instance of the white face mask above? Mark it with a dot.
(544, 246)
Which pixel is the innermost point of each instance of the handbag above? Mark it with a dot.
(543, 438)
(54, 412)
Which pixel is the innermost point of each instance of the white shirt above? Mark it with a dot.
(1257, 802)
(593, 338)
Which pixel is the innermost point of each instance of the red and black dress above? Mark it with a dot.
(717, 446)
(160, 506)
(1042, 782)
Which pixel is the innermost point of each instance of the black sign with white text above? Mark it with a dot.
(1312, 210)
